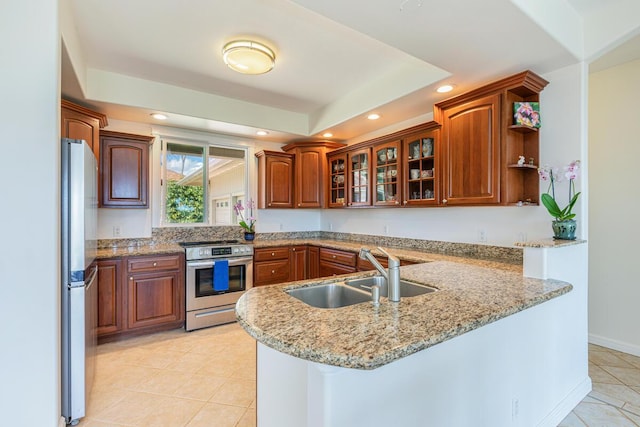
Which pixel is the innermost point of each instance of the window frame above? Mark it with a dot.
(161, 161)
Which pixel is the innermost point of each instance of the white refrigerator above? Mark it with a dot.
(79, 210)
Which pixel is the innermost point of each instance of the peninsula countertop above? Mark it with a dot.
(363, 336)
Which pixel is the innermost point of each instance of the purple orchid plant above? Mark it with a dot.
(248, 222)
(553, 175)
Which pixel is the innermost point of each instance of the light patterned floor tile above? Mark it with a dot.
(217, 415)
(164, 382)
(236, 392)
(602, 415)
(572, 420)
(605, 358)
(600, 375)
(619, 392)
(200, 387)
(629, 376)
(248, 419)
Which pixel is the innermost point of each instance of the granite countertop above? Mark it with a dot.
(363, 336)
(121, 251)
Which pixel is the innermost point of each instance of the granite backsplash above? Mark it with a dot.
(512, 255)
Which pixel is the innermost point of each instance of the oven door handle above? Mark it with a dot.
(210, 263)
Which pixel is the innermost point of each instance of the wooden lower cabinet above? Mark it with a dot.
(334, 262)
(146, 297)
(313, 266)
(298, 260)
(110, 303)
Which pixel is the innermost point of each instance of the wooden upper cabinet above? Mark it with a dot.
(471, 143)
(310, 172)
(77, 122)
(275, 180)
(124, 170)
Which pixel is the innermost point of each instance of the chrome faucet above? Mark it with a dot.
(392, 275)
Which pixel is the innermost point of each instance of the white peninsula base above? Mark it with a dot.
(528, 369)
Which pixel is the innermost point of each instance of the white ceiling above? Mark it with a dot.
(336, 60)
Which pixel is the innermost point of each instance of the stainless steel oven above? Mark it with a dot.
(217, 274)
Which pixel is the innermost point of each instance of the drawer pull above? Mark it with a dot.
(273, 254)
(131, 278)
(273, 272)
(333, 256)
(155, 264)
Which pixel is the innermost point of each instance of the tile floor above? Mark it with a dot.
(615, 398)
(207, 378)
(175, 379)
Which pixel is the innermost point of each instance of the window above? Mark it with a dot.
(194, 194)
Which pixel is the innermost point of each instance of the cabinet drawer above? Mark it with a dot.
(339, 257)
(270, 272)
(268, 254)
(328, 269)
(138, 264)
(365, 265)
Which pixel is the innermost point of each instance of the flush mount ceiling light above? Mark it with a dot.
(248, 57)
(159, 116)
(327, 134)
(373, 116)
(262, 133)
(444, 89)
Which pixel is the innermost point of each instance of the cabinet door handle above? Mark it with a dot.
(334, 257)
(269, 204)
(155, 264)
(444, 201)
(131, 278)
(405, 202)
(397, 202)
(273, 254)
(299, 204)
(273, 272)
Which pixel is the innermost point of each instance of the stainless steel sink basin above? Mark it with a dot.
(332, 295)
(407, 289)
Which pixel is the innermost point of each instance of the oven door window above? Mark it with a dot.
(204, 280)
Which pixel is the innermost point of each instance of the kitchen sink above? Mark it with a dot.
(407, 289)
(332, 295)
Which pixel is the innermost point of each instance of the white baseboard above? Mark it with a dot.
(563, 409)
(615, 344)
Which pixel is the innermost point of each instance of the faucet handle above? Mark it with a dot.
(394, 261)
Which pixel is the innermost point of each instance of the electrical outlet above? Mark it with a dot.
(482, 235)
(515, 409)
(330, 226)
(281, 227)
(386, 230)
(522, 237)
(116, 231)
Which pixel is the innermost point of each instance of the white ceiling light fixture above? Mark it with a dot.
(327, 134)
(444, 89)
(373, 116)
(248, 57)
(159, 116)
(262, 133)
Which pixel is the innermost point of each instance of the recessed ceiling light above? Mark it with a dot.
(327, 134)
(262, 133)
(159, 116)
(248, 57)
(373, 116)
(444, 89)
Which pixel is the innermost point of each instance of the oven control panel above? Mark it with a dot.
(208, 252)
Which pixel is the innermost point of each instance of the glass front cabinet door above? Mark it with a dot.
(338, 181)
(387, 170)
(421, 169)
(358, 178)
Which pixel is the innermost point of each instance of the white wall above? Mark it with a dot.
(614, 147)
(29, 191)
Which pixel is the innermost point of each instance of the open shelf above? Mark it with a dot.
(523, 128)
(525, 166)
